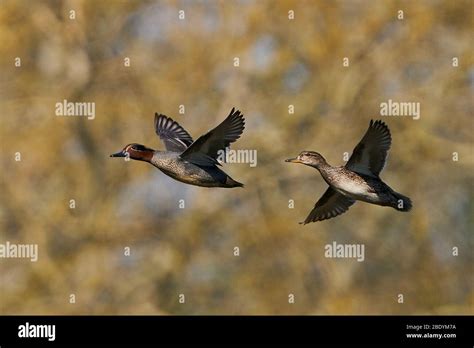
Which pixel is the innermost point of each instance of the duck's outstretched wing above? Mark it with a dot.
(172, 134)
(331, 204)
(370, 154)
(205, 150)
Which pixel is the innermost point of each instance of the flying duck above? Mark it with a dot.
(191, 162)
(358, 180)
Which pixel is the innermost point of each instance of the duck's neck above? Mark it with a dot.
(324, 168)
(145, 156)
(322, 164)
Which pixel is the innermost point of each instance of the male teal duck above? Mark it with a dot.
(358, 180)
(188, 161)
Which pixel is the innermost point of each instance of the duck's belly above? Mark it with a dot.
(197, 177)
(189, 173)
(358, 191)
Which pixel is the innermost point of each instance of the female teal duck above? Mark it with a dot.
(193, 163)
(358, 179)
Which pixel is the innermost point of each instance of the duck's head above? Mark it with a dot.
(135, 151)
(310, 158)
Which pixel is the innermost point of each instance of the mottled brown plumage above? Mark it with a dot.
(358, 179)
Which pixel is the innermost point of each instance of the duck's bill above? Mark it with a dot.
(293, 160)
(118, 154)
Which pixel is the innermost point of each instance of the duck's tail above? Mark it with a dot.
(401, 202)
(232, 183)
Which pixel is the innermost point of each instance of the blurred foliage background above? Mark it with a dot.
(190, 62)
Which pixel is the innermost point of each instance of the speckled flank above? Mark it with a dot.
(174, 166)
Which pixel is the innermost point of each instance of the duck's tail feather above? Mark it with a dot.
(401, 203)
(232, 183)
